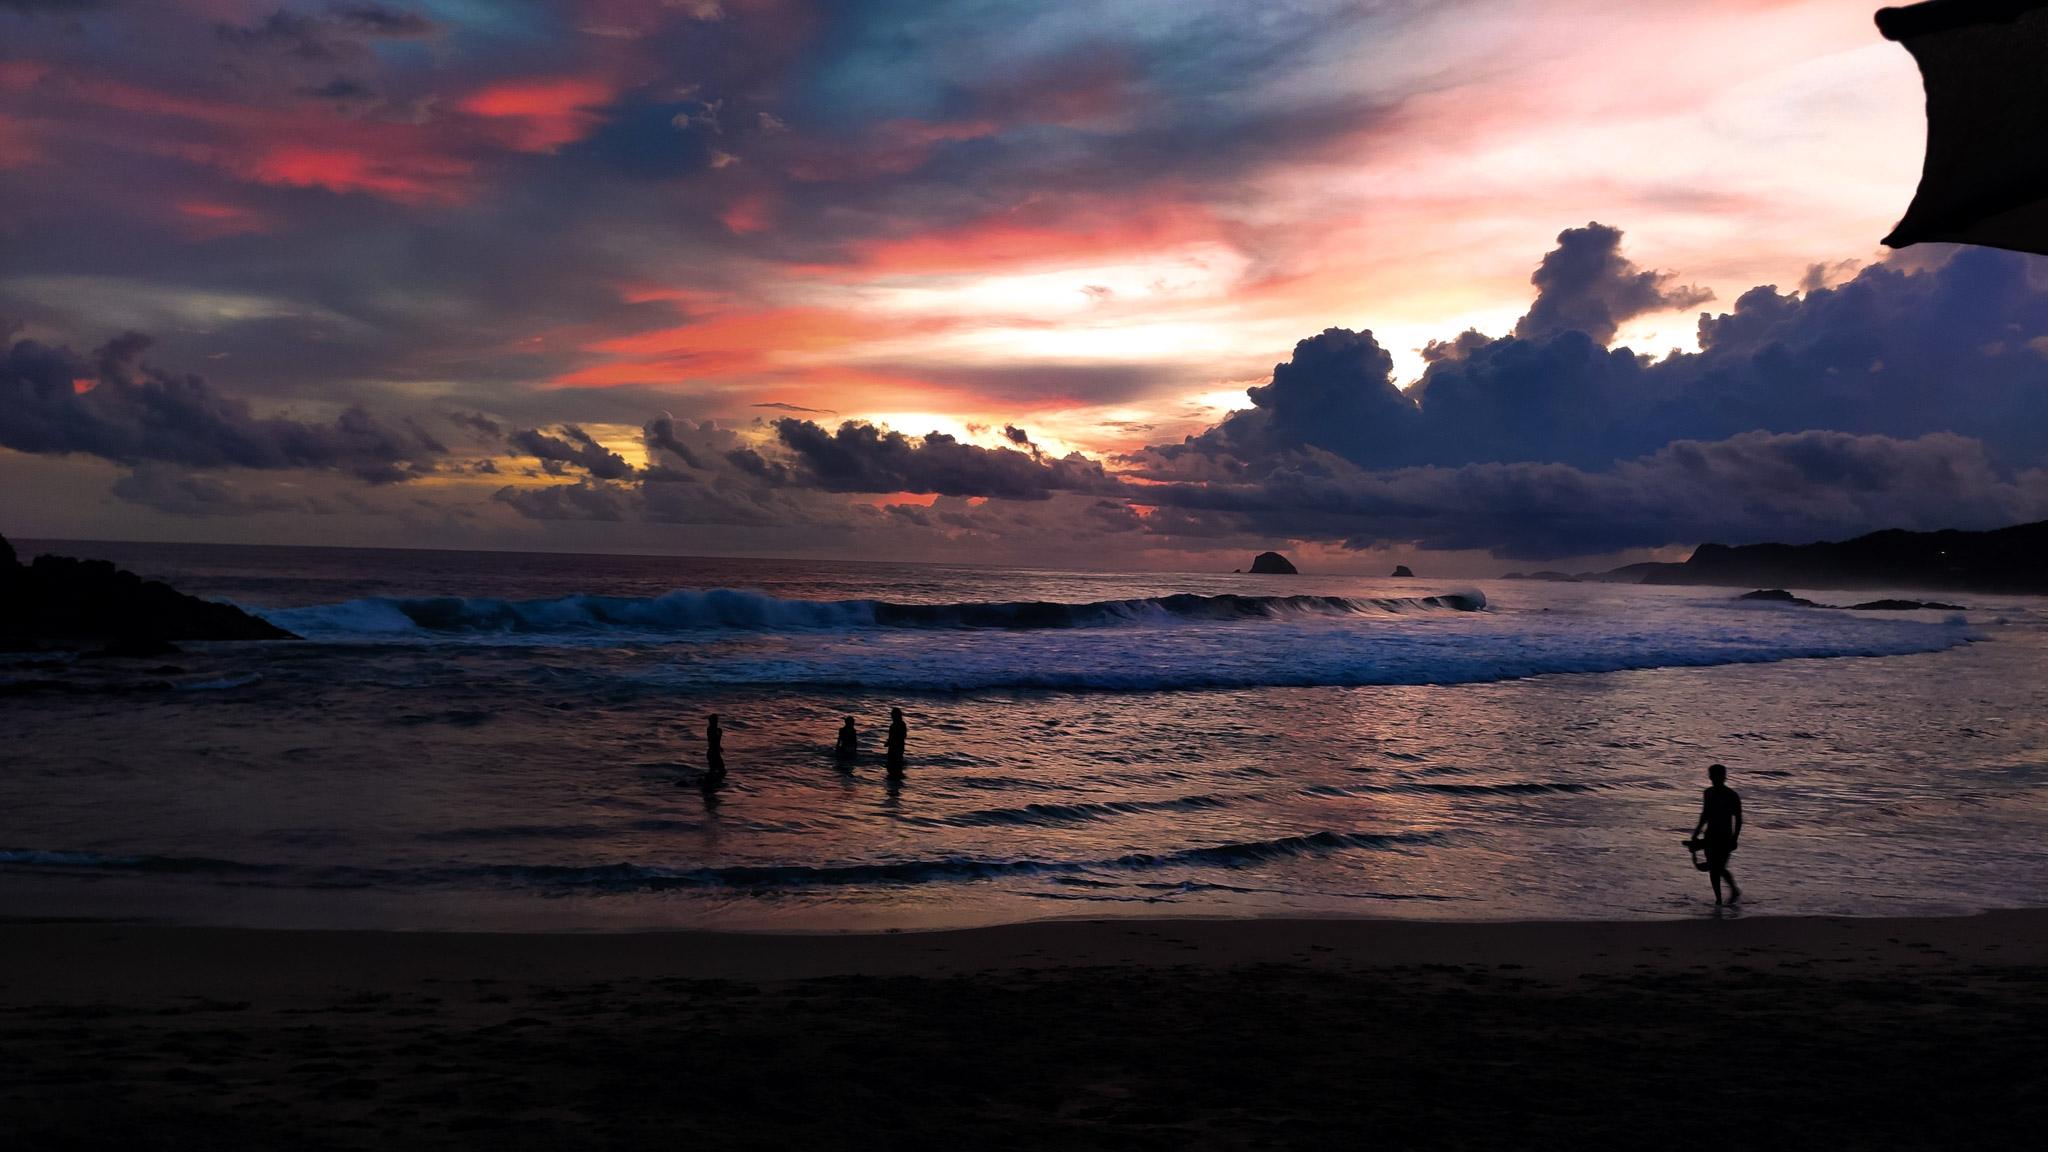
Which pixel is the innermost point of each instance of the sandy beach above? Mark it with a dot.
(1757, 1032)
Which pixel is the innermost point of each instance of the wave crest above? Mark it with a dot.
(728, 609)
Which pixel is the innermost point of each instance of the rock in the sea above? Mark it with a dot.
(1272, 564)
(1777, 596)
(63, 601)
(1402, 572)
(1905, 606)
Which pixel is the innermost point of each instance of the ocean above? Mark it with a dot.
(515, 741)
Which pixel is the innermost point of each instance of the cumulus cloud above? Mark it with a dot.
(119, 408)
(864, 458)
(573, 447)
(660, 434)
(1336, 393)
(1891, 352)
(478, 423)
(1586, 285)
(1906, 398)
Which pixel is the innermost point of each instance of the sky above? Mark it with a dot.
(1467, 285)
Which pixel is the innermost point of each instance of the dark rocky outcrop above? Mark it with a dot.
(2004, 560)
(1272, 564)
(1402, 572)
(1778, 596)
(63, 602)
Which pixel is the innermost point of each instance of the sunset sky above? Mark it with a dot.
(985, 280)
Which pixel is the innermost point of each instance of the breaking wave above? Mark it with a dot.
(726, 609)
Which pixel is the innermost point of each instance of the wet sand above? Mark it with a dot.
(1743, 1033)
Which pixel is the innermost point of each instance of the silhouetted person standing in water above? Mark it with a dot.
(848, 747)
(899, 734)
(1719, 827)
(714, 753)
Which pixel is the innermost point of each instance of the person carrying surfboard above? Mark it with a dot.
(1718, 829)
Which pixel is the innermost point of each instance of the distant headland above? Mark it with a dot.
(2011, 559)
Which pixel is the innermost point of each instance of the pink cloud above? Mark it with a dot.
(747, 214)
(541, 115)
(406, 179)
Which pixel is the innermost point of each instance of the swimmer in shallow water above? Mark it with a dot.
(899, 735)
(714, 753)
(848, 747)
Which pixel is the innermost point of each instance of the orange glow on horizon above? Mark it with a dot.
(885, 499)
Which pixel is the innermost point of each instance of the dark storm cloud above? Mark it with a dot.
(1336, 393)
(1753, 487)
(730, 500)
(573, 446)
(476, 422)
(660, 434)
(1961, 348)
(1586, 285)
(863, 458)
(116, 407)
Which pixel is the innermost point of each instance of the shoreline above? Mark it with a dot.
(81, 952)
(1920, 1032)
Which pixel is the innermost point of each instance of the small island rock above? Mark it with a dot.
(1402, 572)
(1777, 596)
(1272, 564)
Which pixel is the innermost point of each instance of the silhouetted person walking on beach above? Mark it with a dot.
(899, 734)
(849, 742)
(714, 753)
(1719, 827)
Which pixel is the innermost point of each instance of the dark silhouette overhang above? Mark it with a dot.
(1985, 67)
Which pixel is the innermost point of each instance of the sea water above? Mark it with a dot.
(478, 740)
